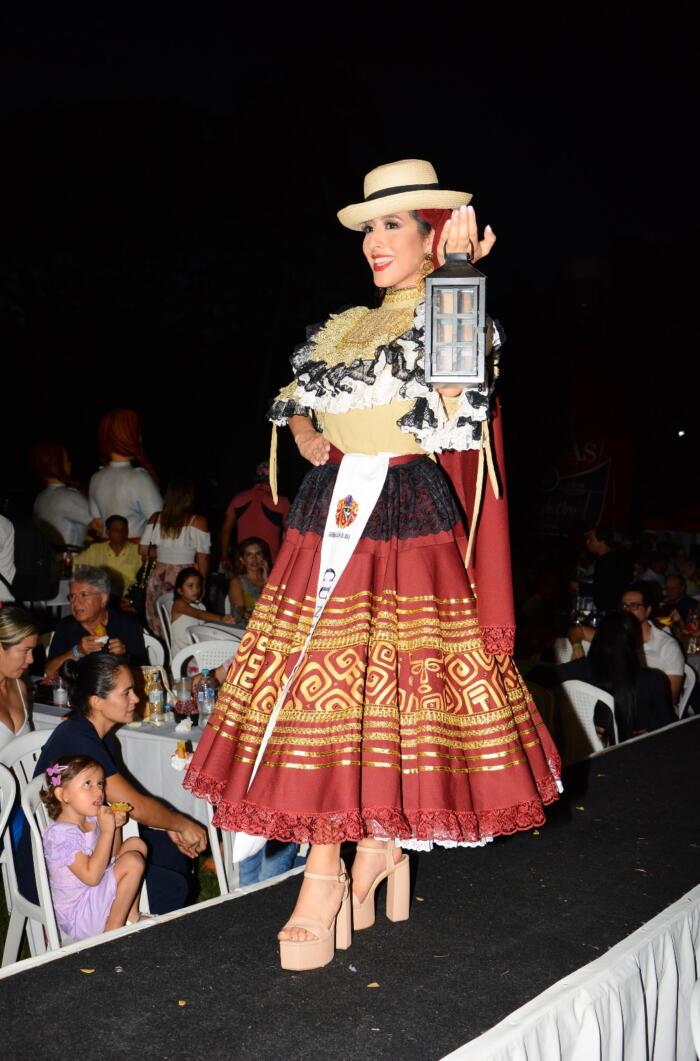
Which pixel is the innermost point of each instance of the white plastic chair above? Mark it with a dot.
(562, 649)
(163, 608)
(20, 756)
(577, 702)
(155, 652)
(221, 844)
(206, 632)
(8, 789)
(38, 820)
(688, 686)
(209, 654)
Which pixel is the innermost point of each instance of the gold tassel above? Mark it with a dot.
(476, 511)
(493, 477)
(485, 456)
(273, 463)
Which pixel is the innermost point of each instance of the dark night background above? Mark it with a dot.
(170, 189)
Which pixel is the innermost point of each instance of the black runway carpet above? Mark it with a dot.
(490, 929)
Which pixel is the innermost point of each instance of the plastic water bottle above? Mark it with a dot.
(60, 694)
(156, 698)
(206, 695)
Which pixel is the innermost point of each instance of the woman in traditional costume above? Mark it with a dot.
(373, 697)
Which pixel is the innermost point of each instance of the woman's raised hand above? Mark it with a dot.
(313, 447)
(461, 235)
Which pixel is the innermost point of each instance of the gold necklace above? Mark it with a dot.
(359, 332)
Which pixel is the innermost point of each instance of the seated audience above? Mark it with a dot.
(188, 610)
(95, 876)
(252, 565)
(689, 570)
(18, 639)
(119, 557)
(102, 697)
(641, 694)
(677, 599)
(59, 505)
(93, 625)
(659, 647)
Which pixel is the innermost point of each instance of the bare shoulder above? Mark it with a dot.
(200, 522)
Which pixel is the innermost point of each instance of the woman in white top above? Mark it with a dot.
(180, 538)
(18, 639)
(59, 505)
(121, 488)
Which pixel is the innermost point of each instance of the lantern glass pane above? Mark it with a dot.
(445, 329)
(466, 301)
(465, 331)
(444, 301)
(444, 358)
(464, 360)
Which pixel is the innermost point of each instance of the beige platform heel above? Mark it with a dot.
(300, 955)
(398, 889)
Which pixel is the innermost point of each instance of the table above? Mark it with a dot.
(146, 751)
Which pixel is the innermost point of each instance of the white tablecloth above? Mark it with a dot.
(146, 752)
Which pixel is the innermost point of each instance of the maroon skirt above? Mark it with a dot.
(397, 724)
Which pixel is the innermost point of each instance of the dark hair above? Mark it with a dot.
(239, 566)
(111, 520)
(70, 766)
(615, 665)
(47, 460)
(644, 589)
(681, 579)
(187, 572)
(93, 675)
(177, 506)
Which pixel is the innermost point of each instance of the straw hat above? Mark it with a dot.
(411, 184)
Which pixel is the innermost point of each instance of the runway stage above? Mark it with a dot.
(490, 929)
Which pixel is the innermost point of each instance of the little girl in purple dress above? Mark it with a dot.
(95, 878)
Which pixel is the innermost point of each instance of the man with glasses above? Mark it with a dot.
(93, 626)
(660, 648)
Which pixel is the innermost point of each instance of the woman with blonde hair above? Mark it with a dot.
(18, 639)
(177, 538)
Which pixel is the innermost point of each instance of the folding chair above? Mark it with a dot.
(163, 606)
(20, 757)
(38, 820)
(209, 654)
(688, 686)
(577, 702)
(154, 650)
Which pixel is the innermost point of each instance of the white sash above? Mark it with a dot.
(357, 489)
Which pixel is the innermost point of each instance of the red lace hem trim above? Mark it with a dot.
(498, 640)
(380, 822)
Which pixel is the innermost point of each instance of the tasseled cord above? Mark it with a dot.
(273, 463)
(485, 456)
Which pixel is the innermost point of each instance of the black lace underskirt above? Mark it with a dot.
(415, 501)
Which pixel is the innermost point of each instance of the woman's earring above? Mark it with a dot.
(427, 265)
(426, 268)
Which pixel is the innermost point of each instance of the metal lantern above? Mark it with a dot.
(455, 323)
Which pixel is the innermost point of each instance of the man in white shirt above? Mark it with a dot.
(661, 650)
(7, 558)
